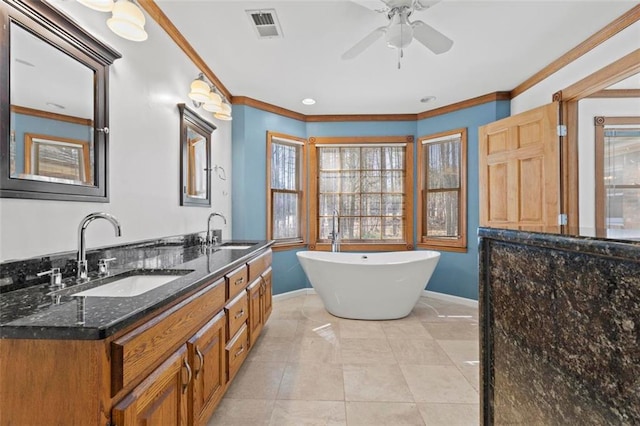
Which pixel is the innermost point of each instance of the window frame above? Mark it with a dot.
(314, 241)
(283, 244)
(454, 244)
(600, 190)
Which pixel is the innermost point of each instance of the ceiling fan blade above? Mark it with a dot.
(431, 38)
(364, 43)
(374, 5)
(424, 4)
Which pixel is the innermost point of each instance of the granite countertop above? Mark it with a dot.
(37, 312)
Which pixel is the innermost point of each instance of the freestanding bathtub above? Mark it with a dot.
(369, 286)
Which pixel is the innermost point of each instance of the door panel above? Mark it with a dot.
(520, 171)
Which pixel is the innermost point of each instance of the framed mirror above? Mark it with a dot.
(55, 112)
(195, 158)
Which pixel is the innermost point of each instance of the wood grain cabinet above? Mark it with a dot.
(170, 368)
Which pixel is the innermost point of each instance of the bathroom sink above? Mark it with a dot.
(234, 246)
(132, 284)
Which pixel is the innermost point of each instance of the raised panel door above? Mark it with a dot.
(267, 295)
(161, 399)
(207, 356)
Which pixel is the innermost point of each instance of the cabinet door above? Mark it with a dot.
(161, 399)
(267, 295)
(207, 356)
(255, 310)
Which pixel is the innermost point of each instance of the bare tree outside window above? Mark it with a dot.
(286, 188)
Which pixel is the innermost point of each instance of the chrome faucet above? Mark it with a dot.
(210, 237)
(334, 236)
(83, 271)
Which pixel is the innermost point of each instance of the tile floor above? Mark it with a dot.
(311, 368)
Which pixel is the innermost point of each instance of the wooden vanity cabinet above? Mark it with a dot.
(260, 304)
(161, 399)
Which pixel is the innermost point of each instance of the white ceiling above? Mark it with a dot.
(497, 45)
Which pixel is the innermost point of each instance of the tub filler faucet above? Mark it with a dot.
(83, 270)
(334, 236)
(214, 237)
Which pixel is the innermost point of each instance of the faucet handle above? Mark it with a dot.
(56, 276)
(103, 265)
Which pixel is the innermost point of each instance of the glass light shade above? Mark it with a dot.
(99, 5)
(127, 21)
(199, 91)
(225, 114)
(214, 103)
(399, 32)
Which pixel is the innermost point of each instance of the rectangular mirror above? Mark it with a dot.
(54, 113)
(195, 158)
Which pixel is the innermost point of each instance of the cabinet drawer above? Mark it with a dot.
(237, 312)
(237, 351)
(258, 265)
(143, 348)
(236, 281)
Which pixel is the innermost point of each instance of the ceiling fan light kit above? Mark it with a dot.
(400, 32)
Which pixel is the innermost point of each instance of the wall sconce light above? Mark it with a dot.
(127, 20)
(207, 96)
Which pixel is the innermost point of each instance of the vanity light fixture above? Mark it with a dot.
(209, 97)
(127, 20)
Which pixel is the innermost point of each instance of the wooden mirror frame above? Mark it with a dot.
(52, 26)
(191, 120)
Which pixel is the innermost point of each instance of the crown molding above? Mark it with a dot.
(360, 117)
(489, 97)
(245, 100)
(616, 93)
(628, 18)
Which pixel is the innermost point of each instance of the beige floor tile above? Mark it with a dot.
(317, 313)
(375, 382)
(432, 310)
(354, 329)
(467, 330)
(242, 412)
(315, 350)
(280, 328)
(438, 383)
(366, 351)
(308, 413)
(312, 382)
(419, 351)
(271, 349)
(383, 414)
(313, 301)
(322, 329)
(407, 328)
(450, 414)
(472, 374)
(462, 352)
(256, 380)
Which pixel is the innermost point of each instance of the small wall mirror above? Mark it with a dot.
(195, 158)
(54, 115)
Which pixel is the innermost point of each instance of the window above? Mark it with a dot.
(442, 177)
(618, 177)
(368, 183)
(57, 159)
(285, 190)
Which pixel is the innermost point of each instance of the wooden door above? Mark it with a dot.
(255, 310)
(161, 399)
(267, 295)
(207, 356)
(520, 171)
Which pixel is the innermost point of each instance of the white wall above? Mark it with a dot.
(588, 109)
(144, 158)
(611, 50)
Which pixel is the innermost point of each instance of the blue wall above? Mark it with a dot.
(456, 274)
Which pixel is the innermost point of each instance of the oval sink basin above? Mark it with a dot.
(233, 247)
(133, 285)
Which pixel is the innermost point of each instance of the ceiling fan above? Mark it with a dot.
(400, 31)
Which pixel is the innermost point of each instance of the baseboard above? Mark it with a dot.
(294, 293)
(449, 298)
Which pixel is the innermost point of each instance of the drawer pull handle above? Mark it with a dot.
(201, 357)
(239, 281)
(188, 367)
(239, 352)
(239, 314)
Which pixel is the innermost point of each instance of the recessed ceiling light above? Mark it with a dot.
(427, 99)
(308, 101)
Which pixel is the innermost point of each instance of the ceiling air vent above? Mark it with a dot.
(265, 22)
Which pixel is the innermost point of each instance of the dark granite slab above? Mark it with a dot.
(34, 311)
(560, 329)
